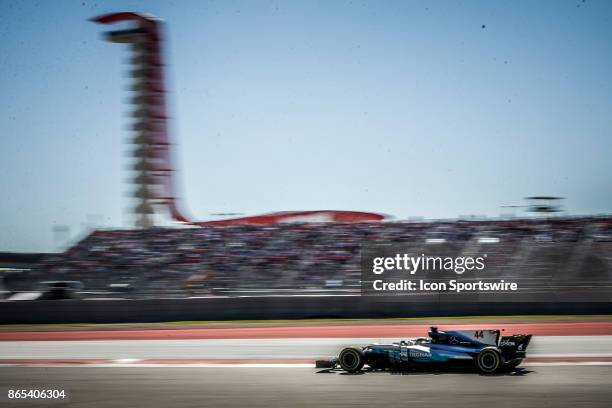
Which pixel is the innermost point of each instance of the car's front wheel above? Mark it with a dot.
(489, 360)
(351, 359)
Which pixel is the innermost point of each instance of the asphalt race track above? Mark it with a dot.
(561, 371)
(564, 386)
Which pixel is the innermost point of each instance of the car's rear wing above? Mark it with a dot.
(514, 346)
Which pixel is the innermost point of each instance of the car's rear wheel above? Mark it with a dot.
(488, 361)
(351, 359)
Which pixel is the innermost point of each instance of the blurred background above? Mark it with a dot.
(457, 128)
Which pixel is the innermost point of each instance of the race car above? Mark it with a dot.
(486, 350)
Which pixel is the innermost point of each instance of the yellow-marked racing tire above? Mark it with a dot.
(351, 359)
(489, 360)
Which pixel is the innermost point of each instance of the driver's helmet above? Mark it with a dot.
(435, 335)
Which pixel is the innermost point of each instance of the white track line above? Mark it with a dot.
(565, 355)
(187, 365)
(127, 360)
(279, 365)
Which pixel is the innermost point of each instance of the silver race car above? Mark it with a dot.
(486, 350)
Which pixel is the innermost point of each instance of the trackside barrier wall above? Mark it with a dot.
(290, 307)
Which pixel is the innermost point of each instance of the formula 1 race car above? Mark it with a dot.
(485, 350)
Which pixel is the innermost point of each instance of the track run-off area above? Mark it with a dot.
(569, 364)
(553, 343)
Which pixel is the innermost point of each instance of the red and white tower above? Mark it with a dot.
(152, 166)
(153, 170)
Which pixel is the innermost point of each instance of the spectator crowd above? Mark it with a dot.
(286, 256)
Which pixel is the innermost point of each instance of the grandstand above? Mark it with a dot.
(307, 257)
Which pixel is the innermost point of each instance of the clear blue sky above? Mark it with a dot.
(409, 108)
